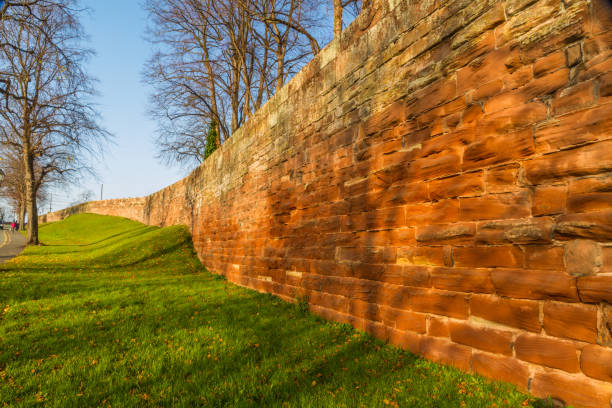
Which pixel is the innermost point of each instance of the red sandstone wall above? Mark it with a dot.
(441, 177)
(132, 208)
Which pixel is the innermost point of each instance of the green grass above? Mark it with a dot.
(110, 312)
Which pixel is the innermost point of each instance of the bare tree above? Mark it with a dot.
(84, 197)
(219, 61)
(13, 184)
(292, 25)
(48, 116)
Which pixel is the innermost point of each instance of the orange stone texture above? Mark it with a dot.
(439, 176)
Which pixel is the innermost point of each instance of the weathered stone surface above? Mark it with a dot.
(548, 352)
(450, 233)
(465, 185)
(438, 327)
(544, 257)
(571, 321)
(482, 338)
(596, 288)
(462, 279)
(536, 284)
(590, 159)
(549, 200)
(525, 231)
(503, 179)
(578, 390)
(521, 314)
(446, 352)
(575, 128)
(596, 362)
(596, 226)
(583, 257)
(495, 207)
(500, 367)
(488, 257)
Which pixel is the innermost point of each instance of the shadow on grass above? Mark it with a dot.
(115, 237)
(104, 262)
(242, 366)
(202, 338)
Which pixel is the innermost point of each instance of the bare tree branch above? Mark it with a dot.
(219, 61)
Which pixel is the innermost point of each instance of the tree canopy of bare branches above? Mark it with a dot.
(48, 117)
(218, 61)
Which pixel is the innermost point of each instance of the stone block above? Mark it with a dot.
(521, 314)
(443, 303)
(548, 200)
(548, 352)
(406, 340)
(526, 231)
(571, 321)
(495, 207)
(488, 257)
(438, 327)
(594, 289)
(420, 256)
(462, 279)
(582, 257)
(596, 362)
(482, 338)
(446, 352)
(496, 149)
(544, 257)
(503, 368)
(503, 179)
(534, 284)
(446, 233)
(584, 126)
(463, 185)
(577, 390)
(595, 226)
(582, 161)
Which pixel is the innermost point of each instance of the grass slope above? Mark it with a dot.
(114, 313)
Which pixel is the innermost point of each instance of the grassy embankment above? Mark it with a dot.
(114, 313)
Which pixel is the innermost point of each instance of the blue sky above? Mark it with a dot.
(129, 168)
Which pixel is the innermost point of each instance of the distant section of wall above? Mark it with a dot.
(441, 177)
(132, 208)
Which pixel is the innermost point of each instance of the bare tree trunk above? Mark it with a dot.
(22, 214)
(28, 161)
(234, 96)
(212, 88)
(280, 68)
(337, 18)
(216, 126)
(32, 237)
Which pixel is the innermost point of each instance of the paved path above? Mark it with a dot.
(13, 243)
